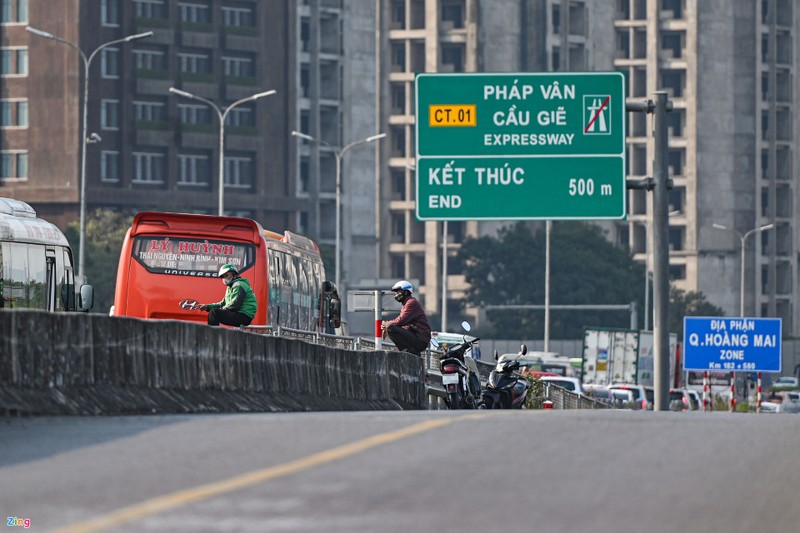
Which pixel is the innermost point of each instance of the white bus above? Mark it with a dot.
(36, 267)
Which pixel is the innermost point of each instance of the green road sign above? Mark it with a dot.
(520, 146)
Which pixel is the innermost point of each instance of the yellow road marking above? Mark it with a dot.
(170, 501)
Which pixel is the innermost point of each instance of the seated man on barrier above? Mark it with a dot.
(239, 305)
(410, 331)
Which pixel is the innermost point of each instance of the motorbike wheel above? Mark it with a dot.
(453, 401)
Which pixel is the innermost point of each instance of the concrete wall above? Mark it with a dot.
(62, 363)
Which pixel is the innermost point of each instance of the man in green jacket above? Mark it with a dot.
(239, 305)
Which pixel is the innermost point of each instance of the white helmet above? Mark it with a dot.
(403, 285)
(224, 269)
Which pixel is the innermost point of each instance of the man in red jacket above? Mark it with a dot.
(410, 331)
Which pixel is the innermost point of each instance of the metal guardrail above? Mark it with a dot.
(561, 398)
(565, 399)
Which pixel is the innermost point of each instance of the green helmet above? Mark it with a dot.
(224, 269)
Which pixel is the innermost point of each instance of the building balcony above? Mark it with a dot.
(235, 88)
(199, 84)
(162, 34)
(246, 139)
(249, 42)
(194, 36)
(144, 24)
(153, 133)
(204, 136)
(153, 82)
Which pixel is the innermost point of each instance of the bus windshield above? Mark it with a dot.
(178, 256)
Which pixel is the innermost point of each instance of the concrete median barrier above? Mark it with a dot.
(70, 363)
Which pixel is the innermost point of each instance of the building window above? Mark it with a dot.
(14, 164)
(109, 114)
(398, 98)
(239, 172)
(556, 18)
(241, 17)
(195, 63)
(14, 11)
(194, 169)
(240, 117)
(453, 13)
(150, 111)
(452, 58)
(109, 166)
(13, 61)
(14, 113)
(677, 272)
(150, 9)
(149, 60)
(398, 267)
(109, 13)
(305, 176)
(240, 67)
(110, 63)
(195, 13)
(305, 33)
(398, 54)
(148, 167)
(194, 114)
(398, 14)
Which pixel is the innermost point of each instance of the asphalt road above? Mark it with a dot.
(564, 471)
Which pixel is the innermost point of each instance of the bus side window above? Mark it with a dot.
(67, 284)
(274, 288)
(50, 279)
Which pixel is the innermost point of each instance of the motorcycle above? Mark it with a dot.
(460, 374)
(506, 389)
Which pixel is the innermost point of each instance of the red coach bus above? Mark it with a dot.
(170, 257)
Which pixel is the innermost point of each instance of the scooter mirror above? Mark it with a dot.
(466, 326)
(496, 355)
(434, 343)
(523, 349)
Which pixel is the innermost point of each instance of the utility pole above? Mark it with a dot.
(659, 184)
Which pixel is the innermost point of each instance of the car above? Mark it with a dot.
(682, 400)
(640, 394)
(624, 399)
(698, 400)
(546, 362)
(786, 382)
(596, 391)
(788, 402)
(570, 384)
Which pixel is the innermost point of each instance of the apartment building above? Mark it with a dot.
(730, 71)
(151, 149)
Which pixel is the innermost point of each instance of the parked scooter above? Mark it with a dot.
(506, 388)
(460, 374)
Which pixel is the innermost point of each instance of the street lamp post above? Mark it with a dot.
(743, 239)
(338, 155)
(87, 61)
(221, 114)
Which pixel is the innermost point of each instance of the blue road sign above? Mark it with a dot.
(732, 344)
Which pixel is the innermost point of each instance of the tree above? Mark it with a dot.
(682, 303)
(585, 268)
(105, 231)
